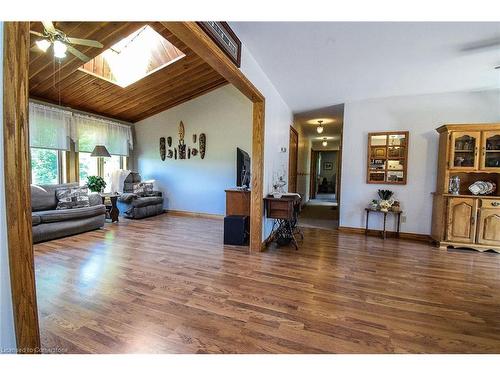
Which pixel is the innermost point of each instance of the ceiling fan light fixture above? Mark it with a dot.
(43, 44)
(324, 143)
(320, 128)
(60, 49)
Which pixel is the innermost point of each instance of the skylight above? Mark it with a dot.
(138, 55)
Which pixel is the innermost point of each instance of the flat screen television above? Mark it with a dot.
(242, 168)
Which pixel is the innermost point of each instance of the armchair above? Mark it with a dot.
(138, 205)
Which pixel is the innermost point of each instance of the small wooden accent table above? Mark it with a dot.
(285, 211)
(398, 213)
(112, 211)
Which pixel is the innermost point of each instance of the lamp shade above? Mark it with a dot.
(100, 151)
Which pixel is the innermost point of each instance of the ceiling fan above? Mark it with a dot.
(61, 42)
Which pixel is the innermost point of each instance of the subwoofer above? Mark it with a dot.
(236, 229)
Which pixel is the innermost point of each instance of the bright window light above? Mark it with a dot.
(134, 57)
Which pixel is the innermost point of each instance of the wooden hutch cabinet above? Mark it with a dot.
(471, 152)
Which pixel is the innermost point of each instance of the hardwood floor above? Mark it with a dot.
(167, 285)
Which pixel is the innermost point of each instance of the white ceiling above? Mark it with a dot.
(319, 64)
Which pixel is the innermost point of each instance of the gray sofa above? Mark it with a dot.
(138, 205)
(49, 223)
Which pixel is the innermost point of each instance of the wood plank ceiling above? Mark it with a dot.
(66, 85)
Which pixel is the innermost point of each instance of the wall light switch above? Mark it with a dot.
(403, 218)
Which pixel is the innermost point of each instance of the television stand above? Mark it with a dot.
(238, 202)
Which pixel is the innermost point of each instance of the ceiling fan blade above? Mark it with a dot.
(37, 33)
(49, 26)
(482, 44)
(77, 53)
(85, 42)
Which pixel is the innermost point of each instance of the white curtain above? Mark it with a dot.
(50, 127)
(89, 131)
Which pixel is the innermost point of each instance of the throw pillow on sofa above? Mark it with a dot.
(72, 197)
(143, 187)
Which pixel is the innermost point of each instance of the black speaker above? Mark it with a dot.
(236, 230)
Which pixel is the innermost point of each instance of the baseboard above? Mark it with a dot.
(405, 235)
(194, 214)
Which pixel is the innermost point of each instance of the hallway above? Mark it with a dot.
(321, 212)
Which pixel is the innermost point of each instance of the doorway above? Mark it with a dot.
(319, 165)
(321, 210)
(324, 186)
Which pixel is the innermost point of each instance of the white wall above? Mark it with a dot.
(420, 115)
(196, 185)
(278, 119)
(7, 336)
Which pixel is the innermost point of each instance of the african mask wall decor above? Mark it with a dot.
(162, 148)
(203, 144)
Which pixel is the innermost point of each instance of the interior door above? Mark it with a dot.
(461, 220)
(489, 222)
(464, 150)
(293, 153)
(490, 151)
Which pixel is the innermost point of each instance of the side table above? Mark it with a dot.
(112, 211)
(398, 213)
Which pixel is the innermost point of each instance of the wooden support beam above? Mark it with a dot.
(195, 38)
(17, 185)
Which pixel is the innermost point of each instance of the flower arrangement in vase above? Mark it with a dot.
(386, 200)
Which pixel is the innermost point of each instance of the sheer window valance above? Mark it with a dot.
(89, 131)
(50, 127)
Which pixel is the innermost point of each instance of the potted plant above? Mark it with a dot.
(96, 184)
(385, 200)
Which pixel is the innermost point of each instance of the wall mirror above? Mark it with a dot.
(387, 158)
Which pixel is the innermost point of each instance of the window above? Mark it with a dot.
(92, 166)
(45, 166)
(87, 166)
(111, 164)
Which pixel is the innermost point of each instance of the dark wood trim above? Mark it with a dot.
(403, 235)
(339, 173)
(17, 190)
(230, 31)
(193, 36)
(294, 131)
(313, 173)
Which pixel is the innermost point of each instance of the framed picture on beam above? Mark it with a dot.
(225, 38)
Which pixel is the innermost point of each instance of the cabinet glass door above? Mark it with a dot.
(464, 150)
(490, 153)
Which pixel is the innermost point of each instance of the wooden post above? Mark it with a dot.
(17, 185)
